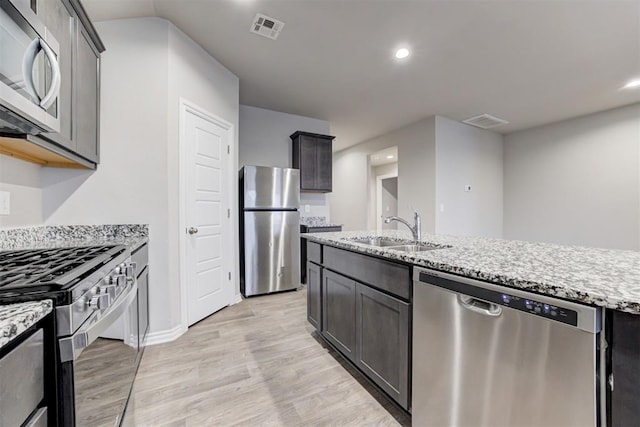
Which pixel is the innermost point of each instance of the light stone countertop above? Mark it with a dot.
(17, 318)
(64, 236)
(603, 277)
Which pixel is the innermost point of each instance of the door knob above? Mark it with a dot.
(192, 230)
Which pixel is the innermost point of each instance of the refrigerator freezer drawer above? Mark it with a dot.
(271, 188)
(271, 252)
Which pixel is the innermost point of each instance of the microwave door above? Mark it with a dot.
(29, 70)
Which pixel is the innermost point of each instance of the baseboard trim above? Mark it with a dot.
(169, 335)
(236, 299)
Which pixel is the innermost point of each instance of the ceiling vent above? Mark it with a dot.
(485, 121)
(266, 26)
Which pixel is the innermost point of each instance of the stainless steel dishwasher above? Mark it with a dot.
(488, 355)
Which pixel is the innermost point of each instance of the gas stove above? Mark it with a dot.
(94, 289)
(82, 281)
(52, 273)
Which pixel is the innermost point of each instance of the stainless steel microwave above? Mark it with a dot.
(29, 72)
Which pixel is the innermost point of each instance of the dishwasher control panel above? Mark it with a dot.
(540, 309)
(511, 300)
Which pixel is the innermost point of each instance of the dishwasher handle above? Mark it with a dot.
(479, 306)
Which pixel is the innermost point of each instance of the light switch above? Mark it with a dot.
(307, 208)
(5, 203)
(441, 207)
(467, 188)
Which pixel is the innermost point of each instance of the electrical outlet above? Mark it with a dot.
(5, 203)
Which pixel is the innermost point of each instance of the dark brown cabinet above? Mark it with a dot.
(624, 345)
(314, 295)
(313, 156)
(382, 347)
(87, 97)
(365, 305)
(339, 312)
(303, 245)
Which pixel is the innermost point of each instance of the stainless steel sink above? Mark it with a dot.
(398, 245)
(414, 248)
(377, 241)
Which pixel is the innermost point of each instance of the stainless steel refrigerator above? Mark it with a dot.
(269, 230)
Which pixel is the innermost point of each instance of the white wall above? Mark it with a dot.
(374, 173)
(22, 180)
(466, 155)
(264, 135)
(264, 140)
(389, 201)
(416, 177)
(576, 181)
(148, 65)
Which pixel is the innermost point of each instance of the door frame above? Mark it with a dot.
(229, 263)
(379, 179)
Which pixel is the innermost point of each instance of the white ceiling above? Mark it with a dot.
(529, 62)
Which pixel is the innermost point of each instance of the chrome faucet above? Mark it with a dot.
(415, 228)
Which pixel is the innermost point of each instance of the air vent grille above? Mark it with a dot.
(266, 26)
(485, 121)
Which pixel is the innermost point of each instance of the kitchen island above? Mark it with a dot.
(349, 278)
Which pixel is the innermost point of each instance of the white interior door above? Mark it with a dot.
(206, 165)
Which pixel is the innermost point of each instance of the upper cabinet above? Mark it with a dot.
(77, 143)
(313, 156)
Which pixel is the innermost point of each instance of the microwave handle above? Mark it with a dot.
(54, 90)
(28, 61)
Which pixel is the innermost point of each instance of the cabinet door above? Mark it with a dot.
(338, 312)
(86, 97)
(382, 325)
(314, 294)
(324, 160)
(59, 18)
(625, 367)
(307, 162)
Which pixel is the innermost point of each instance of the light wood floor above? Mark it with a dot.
(255, 363)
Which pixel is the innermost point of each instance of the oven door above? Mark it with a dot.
(29, 72)
(101, 371)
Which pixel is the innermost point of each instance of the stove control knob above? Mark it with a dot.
(100, 301)
(131, 269)
(109, 290)
(118, 279)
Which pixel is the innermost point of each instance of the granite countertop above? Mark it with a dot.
(602, 277)
(17, 318)
(317, 222)
(60, 236)
(321, 225)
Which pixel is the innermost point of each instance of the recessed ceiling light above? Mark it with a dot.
(389, 157)
(632, 84)
(402, 53)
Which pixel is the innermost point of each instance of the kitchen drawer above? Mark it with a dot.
(22, 381)
(388, 276)
(314, 252)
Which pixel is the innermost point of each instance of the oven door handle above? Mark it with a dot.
(71, 347)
